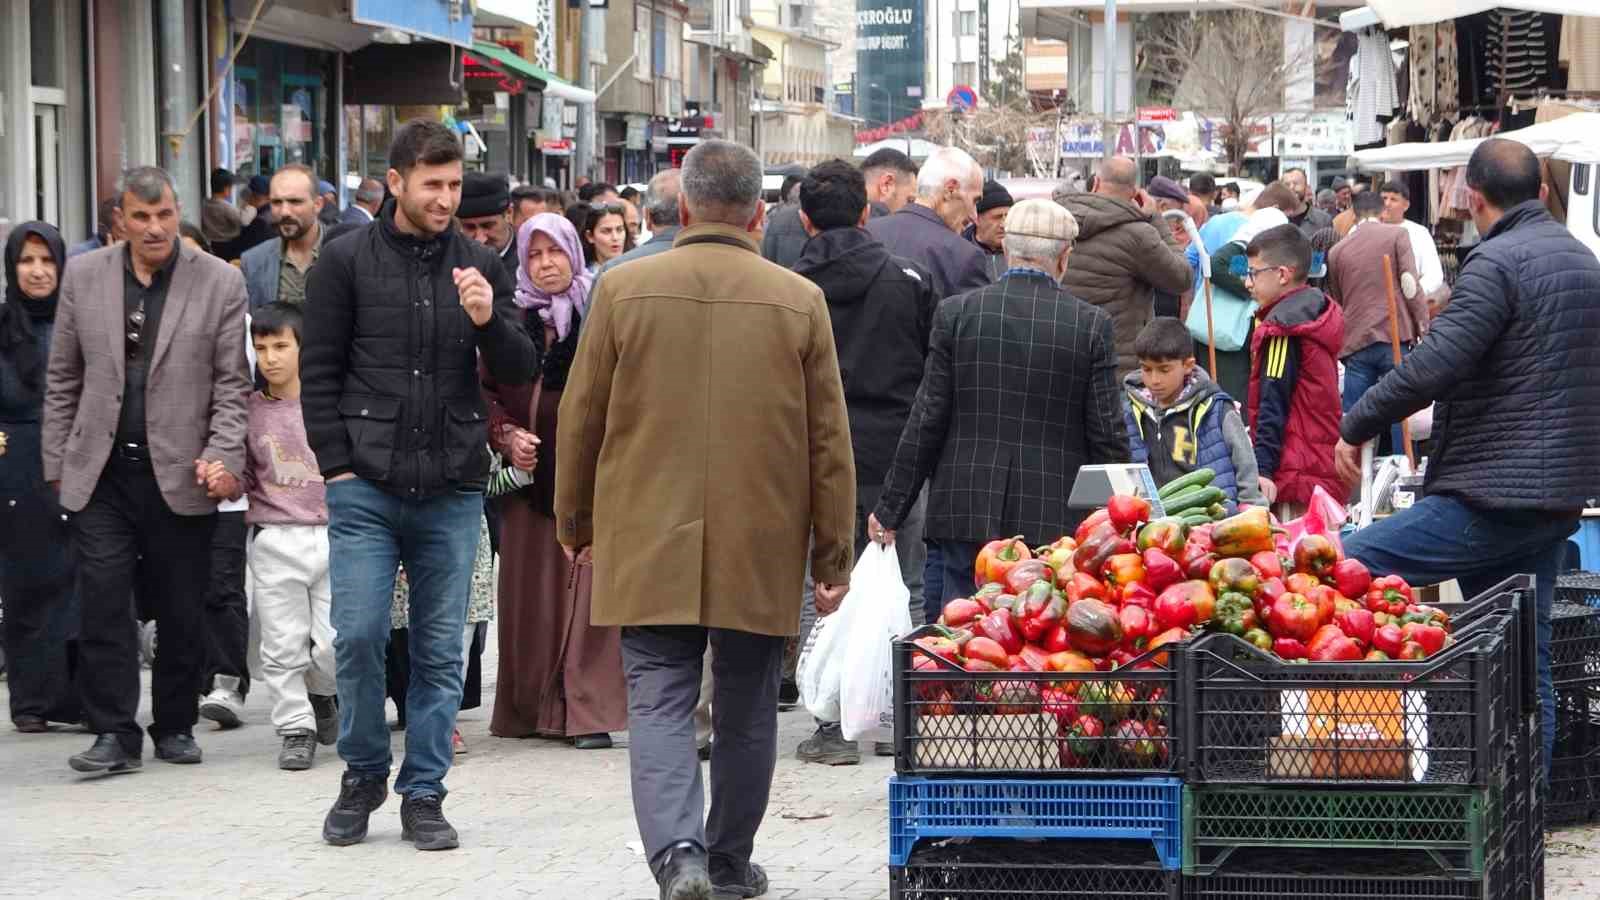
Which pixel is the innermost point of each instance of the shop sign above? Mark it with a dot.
(1149, 115)
(637, 134)
(556, 147)
(890, 55)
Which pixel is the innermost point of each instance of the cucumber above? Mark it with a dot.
(1195, 520)
(1193, 500)
(1196, 479)
(1217, 512)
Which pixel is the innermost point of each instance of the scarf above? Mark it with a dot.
(559, 309)
(19, 312)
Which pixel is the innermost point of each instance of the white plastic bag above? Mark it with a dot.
(881, 615)
(818, 670)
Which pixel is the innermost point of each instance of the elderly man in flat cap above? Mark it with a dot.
(485, 215)
(1023, 376)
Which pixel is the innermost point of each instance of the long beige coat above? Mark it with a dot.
(703, 437)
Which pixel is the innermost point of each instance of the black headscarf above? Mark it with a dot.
(19, 312)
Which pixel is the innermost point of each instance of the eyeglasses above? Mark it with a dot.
(1250, 274)
(135, 328)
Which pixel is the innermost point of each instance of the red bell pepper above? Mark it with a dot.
(999, 626)
(1128, 511)
(1057, 639)
(1351, 578)
(1035, 657)
(1197, 562)
(1326, 601)
(1268, 563)
(1085, 585)
(1315, 555)
(987, 593)
(998, 558)
(1289, 648)
(1121, 657)
(1431, 637)
(986, 650)
(1166, 535)
(1084, 737)
(942, 647)
(1139, 594)
(1389, 594)
(1059, 702)
(1358, 624)
(1185, 604)
(1042, 613)
(1123, 569)
(1026, 573)
(1161, 571)
(1330, 644)
(961, 612)
(1292, 616)
(1137, 626)
(1069, 661)
(1271, 590)
(1103, 543)
(1201, 535)
(1388, 638)
(1087, 526)
(1170, 636)
(1300, 583)
(1412, 650)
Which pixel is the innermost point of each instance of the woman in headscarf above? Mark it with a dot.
(36, 560)
(559, 676)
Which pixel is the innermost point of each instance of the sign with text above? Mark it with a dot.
(890, 49)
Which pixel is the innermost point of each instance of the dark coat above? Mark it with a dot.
(389, 367)
(785, 236)
(915, 233)
(1512, 365)
(882, 309)
(1020, 391)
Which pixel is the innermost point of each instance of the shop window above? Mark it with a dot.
(44, 42)
(967, 24)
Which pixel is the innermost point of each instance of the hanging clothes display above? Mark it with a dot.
(1518, 50)
(1375, 96)
(1580, 52)
(1435, 72)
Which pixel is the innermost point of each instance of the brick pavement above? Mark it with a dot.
(537, 818)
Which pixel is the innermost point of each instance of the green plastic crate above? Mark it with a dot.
(1453, 826)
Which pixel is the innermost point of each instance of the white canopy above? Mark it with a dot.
(1398, 13)
(1574, 138)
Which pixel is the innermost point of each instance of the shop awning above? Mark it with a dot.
(1399, 13)
(537, 77)
(1574, 138)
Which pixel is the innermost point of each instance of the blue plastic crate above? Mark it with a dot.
(1005, 808)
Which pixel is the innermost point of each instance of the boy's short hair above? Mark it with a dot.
(833, 194)
(274, 317)
(1396, 187)
(1283, 246)
(1165, 338)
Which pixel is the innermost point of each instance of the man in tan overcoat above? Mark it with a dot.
(704, 442)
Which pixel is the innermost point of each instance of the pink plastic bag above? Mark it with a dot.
(1324, 515)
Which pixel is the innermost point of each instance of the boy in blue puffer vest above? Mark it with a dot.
(1179, 420)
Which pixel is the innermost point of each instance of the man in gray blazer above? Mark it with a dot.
(144, 430)
(276, 270)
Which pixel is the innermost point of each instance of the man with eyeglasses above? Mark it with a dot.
(145, 397)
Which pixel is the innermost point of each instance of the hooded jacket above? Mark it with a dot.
(1202, 429)
(882, 309)
(1123, 256)
(1294, 394)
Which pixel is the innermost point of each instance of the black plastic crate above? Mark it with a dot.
(1577, 718)
(1254, 719)
(1574, 795)
(1581, 588)
(1574, 644)
(952, 722)
(1456, 828)
(1346, 875)
(999, 869)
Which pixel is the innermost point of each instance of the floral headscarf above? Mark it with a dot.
(556, 310)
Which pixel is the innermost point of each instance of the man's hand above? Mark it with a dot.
(1269, 489)
(477, 298)
(828, 597)
(343, 476)
(220, 484)
(582, 556)
(877, 533)
(524, 449)
(1347, 460)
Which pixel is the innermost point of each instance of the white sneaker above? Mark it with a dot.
(223, 706)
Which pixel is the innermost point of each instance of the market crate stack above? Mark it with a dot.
(1574, 795)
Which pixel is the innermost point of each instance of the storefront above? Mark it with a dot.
(283, 111)
(43, 116)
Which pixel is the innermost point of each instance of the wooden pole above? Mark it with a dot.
(1394, 341)
(1211, 333)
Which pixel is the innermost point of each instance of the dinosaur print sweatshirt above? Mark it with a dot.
(281, 474)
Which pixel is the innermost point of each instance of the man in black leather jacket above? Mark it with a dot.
(396, 318)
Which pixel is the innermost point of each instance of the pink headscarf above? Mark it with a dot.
(554, 309)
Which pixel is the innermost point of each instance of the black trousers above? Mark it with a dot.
(126, 519)
(227, 612)
(41, 614)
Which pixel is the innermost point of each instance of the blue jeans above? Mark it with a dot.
(956, 559)
(1363, 369)
(1442, 538)
(371, 533)
(932, 583)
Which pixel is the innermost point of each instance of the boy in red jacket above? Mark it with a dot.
(1294, 373)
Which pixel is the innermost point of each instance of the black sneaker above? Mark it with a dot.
(299, 751)
(683, 874)
(788, 695)
(423, 823)
(828, 747)
(106, 756)
(753, 884)
(358, 796)
(326, 708)
(179, 749)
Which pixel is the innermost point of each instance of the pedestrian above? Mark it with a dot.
(1168, 196)
(108, 229)
(1019, 392)
(1202, 198)
(527, 201)
(1124, 255)
(37, 565)
(988, 230)
(277, 270)
(1179, 420)
(485, 215)
(1346, 219)
(257, 218)
(1510, 364)
(783, 238)
(881, 308)
(1396, 199)
(1328, 202)
(1294, 373)
(328, 211)
(219, 216)
(129, 439)
(1229, 195)
(289, 555)
(683, 558)
(1225, 238)
(605, 235)
(403, 311)
(891, 180)
(1343, 193)
(1356, 281)
(630, 218)
(598, 193)
(928, 229)
(1306, 215)
(661, 207)
(560, 676)
(364, 207)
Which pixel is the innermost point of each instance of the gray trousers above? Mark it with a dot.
(663, 666)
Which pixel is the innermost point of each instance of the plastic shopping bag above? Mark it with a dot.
(1324, 515)
(818, 671)
(866, 681)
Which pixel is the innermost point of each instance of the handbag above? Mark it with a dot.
(1230, 319)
